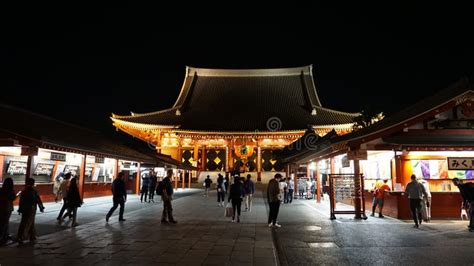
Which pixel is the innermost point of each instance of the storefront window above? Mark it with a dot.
(15, 168)
(438, 169)
(376, 168)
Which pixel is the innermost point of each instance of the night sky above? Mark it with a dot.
(81, 64)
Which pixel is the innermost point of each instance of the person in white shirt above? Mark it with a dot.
(291, 188)
(283, 189)
(425, 210)
(416, 191)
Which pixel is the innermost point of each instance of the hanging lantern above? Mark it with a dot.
(244, 151)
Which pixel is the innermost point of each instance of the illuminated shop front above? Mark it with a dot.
(45, 152)
(433, 139)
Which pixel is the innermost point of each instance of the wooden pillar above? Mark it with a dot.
(137, 181)
(176, 181)
(29, 167)
(231, 158)
(180, 152)
(358, 193)
(196, 153)
(227, 158)
(318, 182)
(2, 159)
(183, 177)
(55, 168)
(398, 170)
(259, 163)
(308, 171)
(203, 158)
(332, 165)
(82, 175)
(31, 152)
(190, 176)
(295, 180)
(116, 168)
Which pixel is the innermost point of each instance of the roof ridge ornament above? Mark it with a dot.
(178, 112)
(314, 112)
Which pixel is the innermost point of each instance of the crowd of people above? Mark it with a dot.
(279, 190)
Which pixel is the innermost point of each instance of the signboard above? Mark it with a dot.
(16, 168)
(56, 156)
(99, 159)
(74, 169)
(45, 169)
(345, 162)
(29, 151)
(460, 163)
(357, 155)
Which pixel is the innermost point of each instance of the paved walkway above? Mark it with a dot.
(204, 236)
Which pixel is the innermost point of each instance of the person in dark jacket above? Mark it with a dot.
(74, 201)
(273, 196)
(119, 197)
(29, 199)
(145, 185)
(7, 196)
(236, 195)
(152, 186)
(249, 189)
(166, 197)
(467, 193)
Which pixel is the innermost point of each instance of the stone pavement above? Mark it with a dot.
(309, 237)
(203, 236)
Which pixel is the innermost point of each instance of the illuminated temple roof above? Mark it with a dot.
(243, 100)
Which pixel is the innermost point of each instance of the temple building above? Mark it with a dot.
(227, 120)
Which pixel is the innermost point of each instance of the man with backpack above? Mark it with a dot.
(249, 189)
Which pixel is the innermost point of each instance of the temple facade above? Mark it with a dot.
(227, 120)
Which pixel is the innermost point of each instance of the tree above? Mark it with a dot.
(366, 118)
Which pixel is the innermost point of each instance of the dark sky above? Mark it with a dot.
(82, 64)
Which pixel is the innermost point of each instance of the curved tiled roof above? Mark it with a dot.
(47, 132)
(245, 100)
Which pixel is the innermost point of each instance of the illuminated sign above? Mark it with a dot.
(461, 163)
(357, 155)
(56, 156)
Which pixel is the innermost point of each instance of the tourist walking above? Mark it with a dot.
(145, 185)
(119, 197)
(249, 189)
(467, 193)
(7, 196)
(220, 190)
(415, 192)
(207, 185)
(425, 210)
(62, 194)
(166, 191)
(236, 194)
(74, 201)
(291, 188)
(379, 197)
(273, 197)
(226, 184)
(29, 201)
(152, 186)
